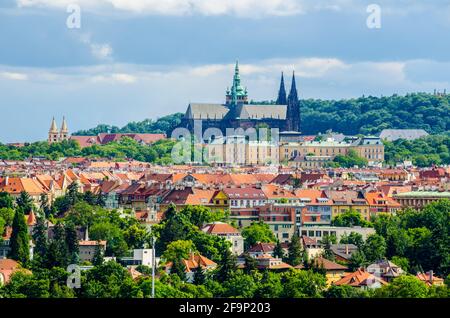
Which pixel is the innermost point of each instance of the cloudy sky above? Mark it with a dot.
(137, 59)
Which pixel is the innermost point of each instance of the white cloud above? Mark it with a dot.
(242, 8)
(101, 51)
(14, 76)
(322, 77)
(120, 78)
(150, 91)
(180, 7)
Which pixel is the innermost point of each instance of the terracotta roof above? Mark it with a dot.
(91, 243)
(313, 195)
(425, 277)
(359, 278)
(328, 265)
(200, 197)
(86, 141)
(194, 261)
(219, 228)
(134, 273)
(31, 219)
(245, 193)
(262, 247)
(380, 199)
(16, 185)
(273, 191)
(8, 233)
(282, 179)
(7, 268)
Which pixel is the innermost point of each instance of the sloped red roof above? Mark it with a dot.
(219, 228)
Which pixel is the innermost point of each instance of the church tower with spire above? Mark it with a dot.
(53, 133)
(64, 132)
(293, 108)
(237, 95)
(281, 100)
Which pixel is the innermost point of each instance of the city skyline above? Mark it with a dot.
(124, 63)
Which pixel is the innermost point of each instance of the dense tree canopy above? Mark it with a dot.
(370, 115)
(364, 115)
(258, 232)
(162, 125)
(423, 152)
(420, 236)
(126, 148)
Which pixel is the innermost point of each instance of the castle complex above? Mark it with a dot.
(237, 112)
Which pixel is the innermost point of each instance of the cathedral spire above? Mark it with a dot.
(237, 94)
(64, 132)
(53, 134)
(293, 93)
(64, 126)
(53, 126)
(281, 100)
(293, 108)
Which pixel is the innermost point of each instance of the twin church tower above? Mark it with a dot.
(55, 135)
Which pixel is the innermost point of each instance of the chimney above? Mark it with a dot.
(346, 249)
(431, 276)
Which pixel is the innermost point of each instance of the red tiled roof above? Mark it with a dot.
(219, 228)
(359, 278)
(91, 243)
(262, 247)
(327, 264)
(194, 261)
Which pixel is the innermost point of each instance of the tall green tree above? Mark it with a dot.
(227, 266)
(40, 241)
(98, 255)
(374, 248)
(327, 240)
(251, 264)
(6, 200)
(44, 205)
(295, 255)
(278, 250)
(20, 241)
(25, 202)
(199, 276)
(178, 268)
(72, 243)
(58, 254)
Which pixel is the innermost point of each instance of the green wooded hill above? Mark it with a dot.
(162, 125)
(364, 115)
(370, 115)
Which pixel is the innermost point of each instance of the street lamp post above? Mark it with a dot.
(153, 265)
